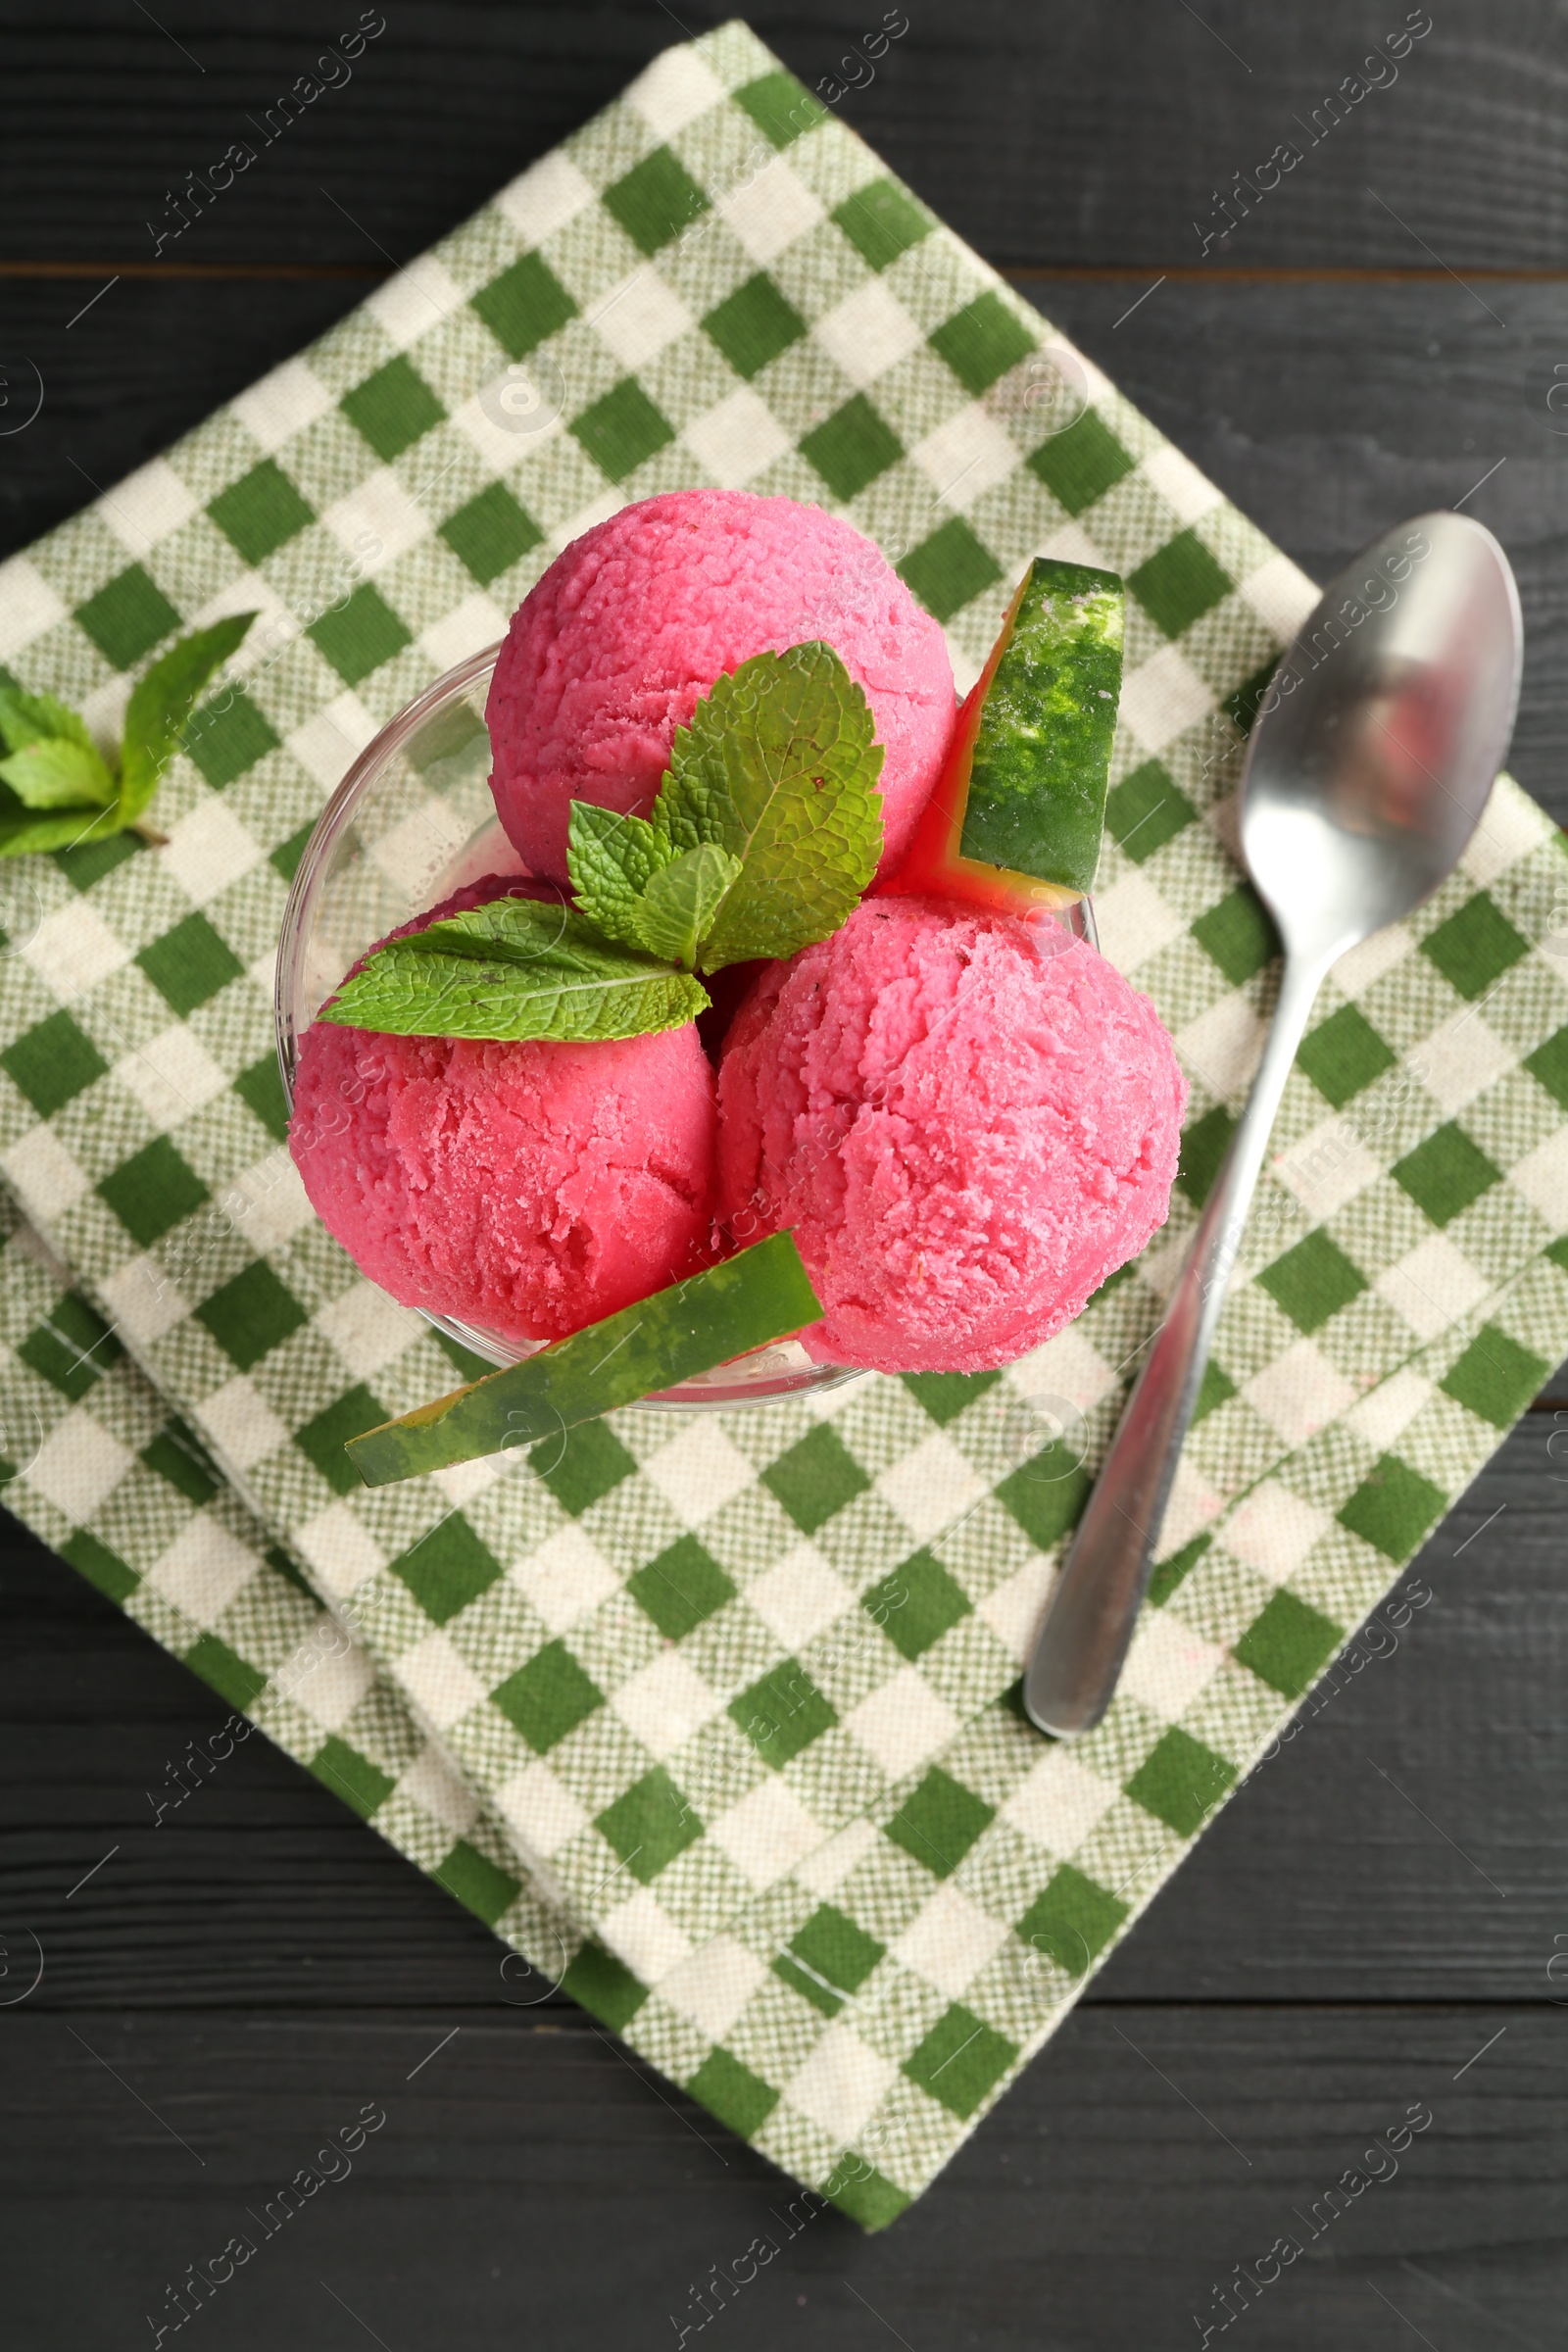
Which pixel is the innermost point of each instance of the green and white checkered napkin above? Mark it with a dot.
(718, 1714)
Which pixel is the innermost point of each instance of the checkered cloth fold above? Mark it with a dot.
(717, 1716)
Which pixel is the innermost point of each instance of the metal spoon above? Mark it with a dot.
(1370, 762)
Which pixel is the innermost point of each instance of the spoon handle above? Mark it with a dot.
(1089, 1622)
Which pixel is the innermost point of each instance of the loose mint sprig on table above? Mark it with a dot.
(60, 790)
(764, 836)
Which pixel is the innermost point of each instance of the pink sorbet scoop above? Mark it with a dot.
(612, 648)
(529, 1189)
(967, 1134)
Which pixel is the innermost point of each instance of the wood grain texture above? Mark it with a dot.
(1342, 1942)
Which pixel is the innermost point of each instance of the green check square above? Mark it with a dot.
(285, 858)
(1044, 1499)
(815, 1478)
(949, 569)
(1287, 1642)
(1496, 1378)
(782, 1713)
(363, 1785)
(882, 221)
(916, 1604)
(1080, 464)
(175, 1456)
(622, 429)
(447, 1569)
(189, 963)
(252, 1314)
(152, 1190)
(478, 1883)
(1343, 1056)
(944, 1394)
(524, 305)
(680, 1590)
(1312, 1281)
(1238, 934)
(322, 1438)
(1179, 583)
(1072, 1920)
(828, 1959)
(648, 1825)
(225, 742)
(656, 200)
(1475, 946)
(754, 324)
(393, 409)
(261, 1089)
(781, 106)
(52, 1062)
(101, 1568)
(959, 2060)
(982, 341)
(1181, 1782)
(547, 1697)
(491, 534)
(1168, 1574)
(605, 1986)
(71, 1351)
(581, 1467)
(1445, 1173)
(1392, 1508)
(740, 2101)
(1216, 1387)
(1204, 1144)
(1549, 1063)
(1148, 809)
(852, 447)
(261, 512)
(232, 1677)
(362, 636)
(89, 863)
(940, 1822)
(128, 616)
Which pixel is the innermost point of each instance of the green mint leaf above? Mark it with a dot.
(681, 901)
(24, 835)
(612, 859)
(53, 771)
(26, 717)
(164, 700)
(512, 971)
(779, 767)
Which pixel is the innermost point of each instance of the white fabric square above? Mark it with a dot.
(664, 1703)
(280, 1205)
(798, 1595)
(1013, 1610)
(45, 1174)
(1300, 1393)
(1071, 544)
(930, 1486)
(466, 629)
(1168, 1664)
(241, 1425)
(77, 1464)
(1223, 1045)
(674, 90)
(736, 440)
(544, 197)
(1194, 1505)
(949, 1940)
(1382, 1417)
(827, 1868)
(565, 1577)
(1510, 826)
(540, 1808)
(147, 506)
(868, 332)
(638, 318)
(208, 850)
(1456, 1061)
(1181, 486)
(1061, 1804)
(443, 1793)
(1274, 1529)
(1359, 967)
(1134, 921)
(840, 2083)
(1329, 1167)
(1280, 592)
(74, 949)
(1434, 1283)
(170, 1076)
(28, 605)
(767, 1832)
(379, 509)
(1163, 697)
(965, 457)
(369, 1328)
(339, 1550)
(140, 1294)
(1542, 1179)
(1069, 1367)
(715, 1984)
(699, 1471)
(641, 1933)
(282, 404)
(902, 1723)
(771, 210)
(332, 1688)
(326, 742)
(416, 300)
(438, 1681)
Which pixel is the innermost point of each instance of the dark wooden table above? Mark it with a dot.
(1380, 336)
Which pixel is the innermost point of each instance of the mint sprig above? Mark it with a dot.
(59, 789)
